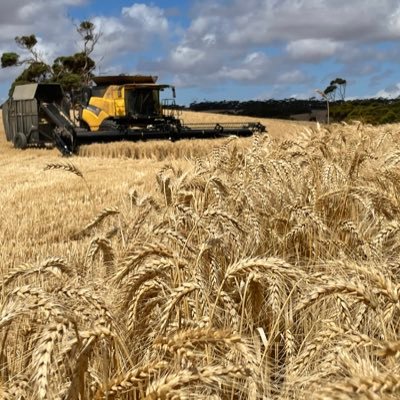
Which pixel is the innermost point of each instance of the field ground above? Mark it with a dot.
(259, 268)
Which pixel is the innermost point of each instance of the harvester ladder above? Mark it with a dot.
(170, 108)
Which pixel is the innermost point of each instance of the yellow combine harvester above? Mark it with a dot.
(116, 108)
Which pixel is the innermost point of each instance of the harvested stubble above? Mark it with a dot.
(260, 269)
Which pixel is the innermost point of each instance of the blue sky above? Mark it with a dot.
(224, 49)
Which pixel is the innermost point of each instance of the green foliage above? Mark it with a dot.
(371, 111)
(336, 85)
(389, 118)
(330, 89)
(68, 71)
(74, 64)
(271, 108)
(26, 42)
(36, 72)
(9, 60)
(339, 81)
(86, 30)
(70, 81)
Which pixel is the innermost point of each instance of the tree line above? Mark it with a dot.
(261, 108)
(373, 111)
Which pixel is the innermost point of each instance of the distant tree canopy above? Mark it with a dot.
(72, 72)
(271, 108)
(372, 111)
(9, 60)
(26, 42)
(337, 85)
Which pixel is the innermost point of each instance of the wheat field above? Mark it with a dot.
(259, 268)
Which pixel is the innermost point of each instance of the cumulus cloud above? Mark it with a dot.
(130, 32)
(47, 20)
(186, 57)
(273, 41)
(148, 18)
(391, 92)
(254, 66)
(260, 22)
(292, 76)
(313, 50)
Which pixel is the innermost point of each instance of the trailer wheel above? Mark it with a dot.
(20, 141)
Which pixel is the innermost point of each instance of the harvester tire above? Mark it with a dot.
(20, 141)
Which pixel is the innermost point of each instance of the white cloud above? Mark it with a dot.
(302, 95)
(394, 22)
(313, 50)
(48, 20)
(230, 40)
(390, 92)
(131, 32)
(28, 10)
(265, 21)
(254, 66)
(149, 18)
(292, 77)
(238, 73)
(256, 58)
(209, 39)
(186, 57)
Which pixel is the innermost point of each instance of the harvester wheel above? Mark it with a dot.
(20, 141)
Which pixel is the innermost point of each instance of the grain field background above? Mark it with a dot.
(260, 268)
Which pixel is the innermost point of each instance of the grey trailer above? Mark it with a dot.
(36, 115)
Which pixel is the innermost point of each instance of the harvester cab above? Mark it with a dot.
(123, 103)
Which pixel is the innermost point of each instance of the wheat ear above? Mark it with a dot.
(71, 168)
(68, 167)
(134, 380)
(101, 216)
(209, 375)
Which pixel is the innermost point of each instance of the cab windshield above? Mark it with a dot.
(142, 102)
